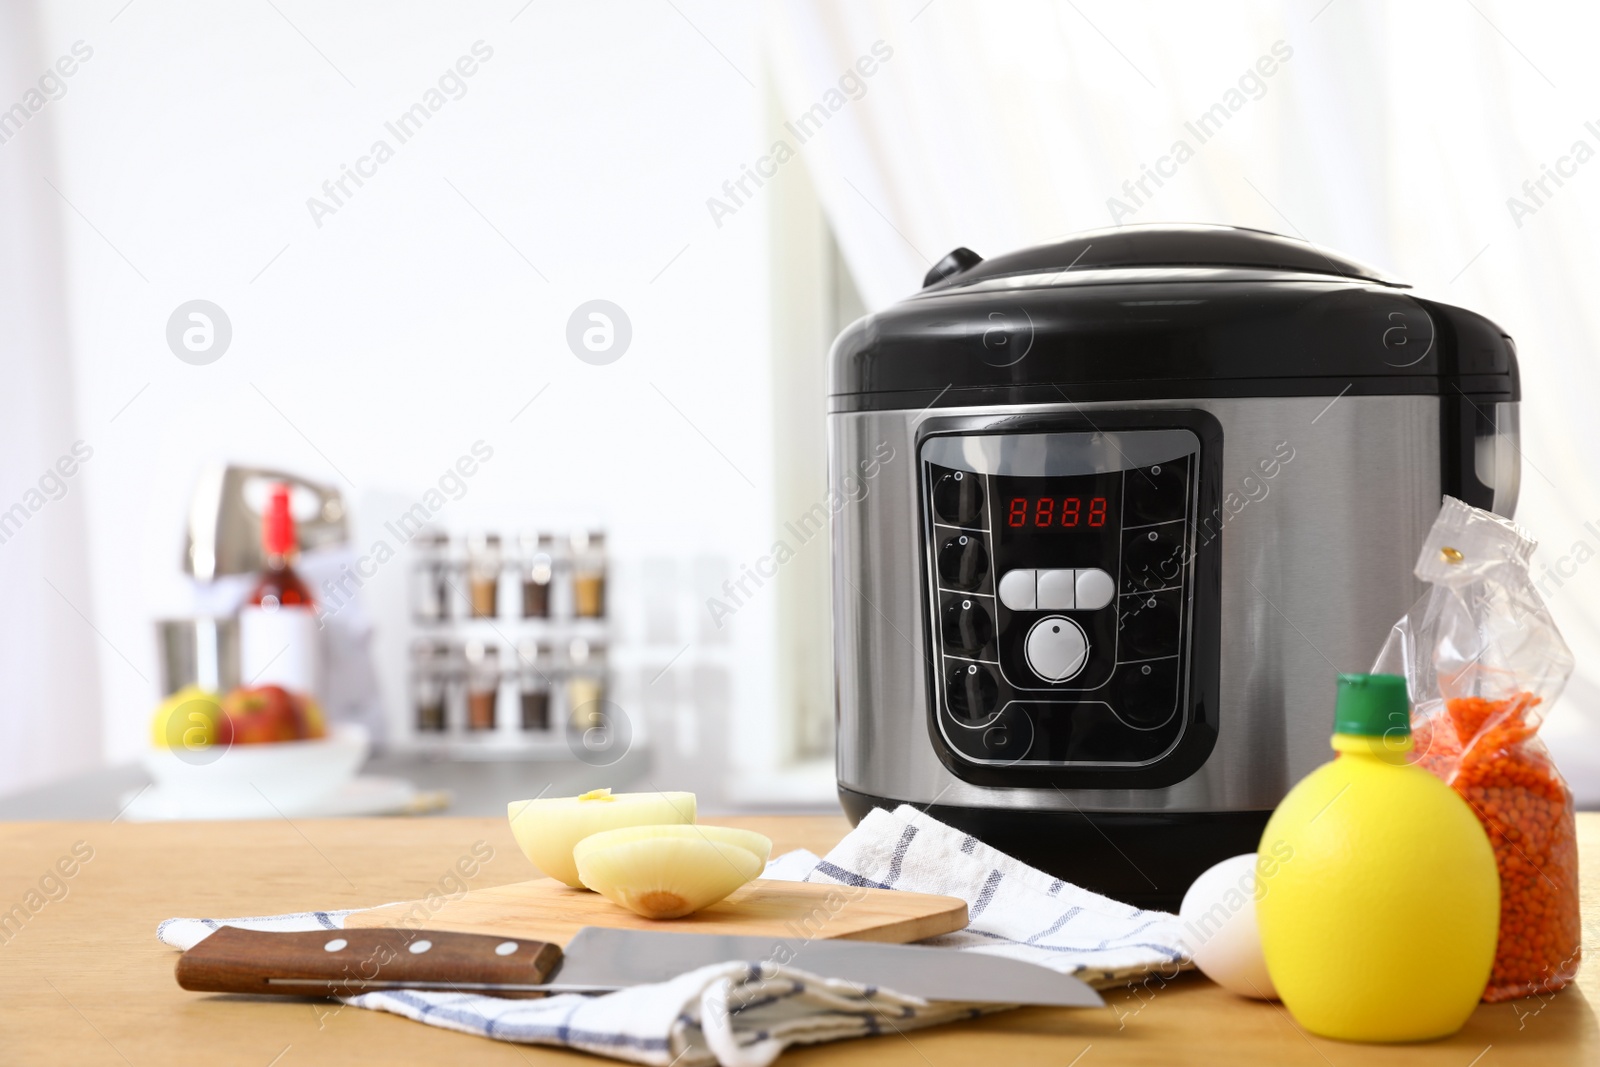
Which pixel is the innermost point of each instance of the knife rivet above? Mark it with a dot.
(335, 945)
(420, 947)
(505, 948)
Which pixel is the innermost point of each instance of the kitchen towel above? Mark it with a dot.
(745, 1014)
(1012, 909)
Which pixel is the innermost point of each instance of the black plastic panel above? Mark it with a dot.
(1140, 708)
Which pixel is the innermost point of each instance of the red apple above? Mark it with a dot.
(263, 714)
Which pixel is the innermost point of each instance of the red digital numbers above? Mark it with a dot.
(1041, 511)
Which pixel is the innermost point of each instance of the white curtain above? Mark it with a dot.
(1396, 133)
(49, 690)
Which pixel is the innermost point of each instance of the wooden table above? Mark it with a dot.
(84, 981)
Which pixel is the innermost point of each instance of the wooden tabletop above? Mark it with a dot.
(84, 981)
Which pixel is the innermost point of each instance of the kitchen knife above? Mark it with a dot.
(597, 960)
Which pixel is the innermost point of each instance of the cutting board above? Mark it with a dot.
(546, 910)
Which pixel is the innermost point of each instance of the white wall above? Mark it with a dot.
(376, 349)
(49, 717)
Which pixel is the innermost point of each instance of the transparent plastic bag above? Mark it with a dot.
(1484, 662)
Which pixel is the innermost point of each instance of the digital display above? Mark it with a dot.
(1072, 520)
(1045, 511)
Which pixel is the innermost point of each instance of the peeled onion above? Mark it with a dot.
(546, 829)
(666, 872)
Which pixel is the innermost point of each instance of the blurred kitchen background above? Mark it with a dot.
(725, 185)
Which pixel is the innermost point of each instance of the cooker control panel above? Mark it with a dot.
(1060, 572)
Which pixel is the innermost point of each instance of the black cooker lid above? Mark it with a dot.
(1156, 246)
(1164, 312)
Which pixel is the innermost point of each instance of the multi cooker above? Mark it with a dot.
(1120, 508)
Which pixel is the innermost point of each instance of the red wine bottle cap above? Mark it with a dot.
(277, 525)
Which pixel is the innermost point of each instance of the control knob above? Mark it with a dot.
(1057, 648)
(963, 561)
(971, 692)
(967, 626)
(958, 497)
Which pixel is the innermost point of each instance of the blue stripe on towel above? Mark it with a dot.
(900, 850)
(848, 877)
(1061, 921)
(986, 894)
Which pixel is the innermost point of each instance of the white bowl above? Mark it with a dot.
(258, 781)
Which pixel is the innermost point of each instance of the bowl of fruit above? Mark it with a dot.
(256, 752)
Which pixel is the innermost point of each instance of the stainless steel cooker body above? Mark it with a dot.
(1315, 566)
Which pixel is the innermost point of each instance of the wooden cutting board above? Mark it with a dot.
(546, 910)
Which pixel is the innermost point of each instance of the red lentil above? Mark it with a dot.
(1487, 751)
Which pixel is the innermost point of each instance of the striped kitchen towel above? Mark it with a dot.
(745, 1014)
(1012, 909)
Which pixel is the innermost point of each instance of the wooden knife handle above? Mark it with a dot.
(335, 963)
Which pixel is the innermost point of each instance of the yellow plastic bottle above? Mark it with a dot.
(1380, 924)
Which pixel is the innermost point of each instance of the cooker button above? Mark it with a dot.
(963, 562)
(1152, 558)
(958, 260)
(1057, 648)
(1150, 625)
(1147, 693)
(1005, 740)
(971, 692)
(1095, 589)
(1056, 591)
(1158, 493)
(1008, 739)
(1016, 590)
(967, 626)
(958, 497)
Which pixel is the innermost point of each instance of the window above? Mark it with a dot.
(813, 299)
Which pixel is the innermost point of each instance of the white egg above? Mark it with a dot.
(1218, 918)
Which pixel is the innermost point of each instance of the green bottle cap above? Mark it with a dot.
(1372, 705)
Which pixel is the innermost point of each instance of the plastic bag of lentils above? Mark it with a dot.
(1485, 662)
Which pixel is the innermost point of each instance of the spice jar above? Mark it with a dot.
(430, 685)
(538, 568)
(483, 574)
(586, 682)
(589, 575)
(483, 684)
(430, 576)
(533, 684)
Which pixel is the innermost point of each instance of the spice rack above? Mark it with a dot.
(510, 640)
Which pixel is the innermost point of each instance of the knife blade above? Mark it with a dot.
(597, 960)
(599, 957)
